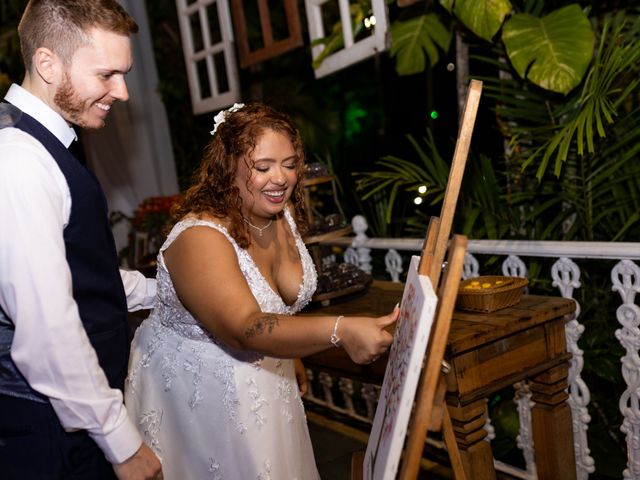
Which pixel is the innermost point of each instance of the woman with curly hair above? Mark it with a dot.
(214, 382)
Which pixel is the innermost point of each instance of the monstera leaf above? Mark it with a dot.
(553, 51)
(484, 18)
(415, 39)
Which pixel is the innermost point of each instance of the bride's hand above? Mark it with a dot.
(301, 376)
(365, 338)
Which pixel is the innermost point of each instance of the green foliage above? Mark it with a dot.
(335, 40)
(596, 196)
(482, 18)
(553, 51)
(593, 134)
(396, 175)
(610, 81)
(484, 211)
(416, 39)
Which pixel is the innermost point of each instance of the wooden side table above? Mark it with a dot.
(487, 352)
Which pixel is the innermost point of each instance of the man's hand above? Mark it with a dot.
(143, 465)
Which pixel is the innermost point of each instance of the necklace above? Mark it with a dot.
(259, 229)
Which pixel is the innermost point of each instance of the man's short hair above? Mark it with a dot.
(62, 25)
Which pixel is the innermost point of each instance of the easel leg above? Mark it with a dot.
(452, 447)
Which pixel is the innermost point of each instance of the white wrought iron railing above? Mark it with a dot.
(565, 275)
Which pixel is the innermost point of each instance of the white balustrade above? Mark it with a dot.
(524, 439)
(566, 277)
(626, 281)
(370, 394)
(359, 224)
(346, 387)
(393, 262)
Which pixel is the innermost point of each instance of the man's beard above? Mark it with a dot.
(72, 106)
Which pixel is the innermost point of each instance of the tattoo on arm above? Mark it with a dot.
(266, 322)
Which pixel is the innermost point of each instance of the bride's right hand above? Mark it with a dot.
(365, 338)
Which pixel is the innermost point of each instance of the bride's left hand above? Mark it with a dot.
(301, 376)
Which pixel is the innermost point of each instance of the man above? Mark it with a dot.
(64, 338)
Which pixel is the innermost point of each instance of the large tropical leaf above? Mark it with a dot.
(553, 51)
(611, 80)
(413, 40)
(484, 18)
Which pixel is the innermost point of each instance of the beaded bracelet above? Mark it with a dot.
(335, 339)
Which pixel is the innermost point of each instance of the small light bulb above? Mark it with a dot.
(417, 200)
(451, 67)
(367, 23)
(422, 189)
(372, 20)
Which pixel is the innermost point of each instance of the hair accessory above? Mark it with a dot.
(260, 229)
(221, 116)
(335, 339)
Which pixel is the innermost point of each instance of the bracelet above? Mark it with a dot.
(335, 339)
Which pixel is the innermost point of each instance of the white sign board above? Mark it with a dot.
(406, 356)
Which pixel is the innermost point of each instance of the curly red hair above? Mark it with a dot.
(214, 191)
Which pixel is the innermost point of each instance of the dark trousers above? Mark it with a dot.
(34, 446)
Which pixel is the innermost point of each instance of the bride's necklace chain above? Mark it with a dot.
(259, 229)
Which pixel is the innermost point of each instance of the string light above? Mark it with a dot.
(417, 200)
(422, 189)
(369, 22)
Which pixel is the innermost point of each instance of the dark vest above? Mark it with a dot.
(92, 258)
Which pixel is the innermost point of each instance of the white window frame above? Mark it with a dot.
(352, 52)
(217, 100)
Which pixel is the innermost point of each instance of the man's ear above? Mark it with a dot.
(46, 64)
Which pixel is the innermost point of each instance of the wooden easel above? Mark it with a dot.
(430, 412)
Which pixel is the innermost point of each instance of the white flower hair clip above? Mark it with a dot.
(221, 116)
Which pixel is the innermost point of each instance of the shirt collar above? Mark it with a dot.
(32, 105)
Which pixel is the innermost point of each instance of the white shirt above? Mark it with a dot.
(50, 346)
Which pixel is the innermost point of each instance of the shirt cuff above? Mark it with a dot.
(140, 291)
(121, 443)
(152, 288)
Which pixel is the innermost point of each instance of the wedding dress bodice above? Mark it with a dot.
(173, 314)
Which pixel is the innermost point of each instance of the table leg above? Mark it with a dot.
(551, 425)
(468, 425)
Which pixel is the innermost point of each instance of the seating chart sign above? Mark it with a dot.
(401, 377)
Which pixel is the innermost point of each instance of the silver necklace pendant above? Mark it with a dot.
(259, 229)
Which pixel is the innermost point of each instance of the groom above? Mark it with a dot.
(64, 338)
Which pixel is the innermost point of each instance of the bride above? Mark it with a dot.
(214, 385)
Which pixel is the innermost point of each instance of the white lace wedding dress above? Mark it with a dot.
(211, 412)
